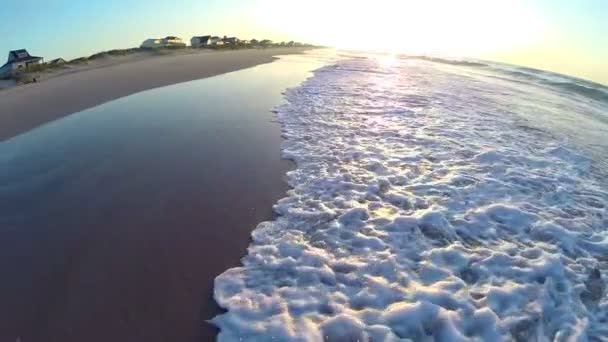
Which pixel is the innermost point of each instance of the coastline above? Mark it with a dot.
(68, 91)
(117, 220)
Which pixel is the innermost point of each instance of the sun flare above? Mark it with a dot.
(469, 27)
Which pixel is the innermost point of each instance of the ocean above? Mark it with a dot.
(433, 199)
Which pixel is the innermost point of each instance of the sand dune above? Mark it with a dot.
(71, 90)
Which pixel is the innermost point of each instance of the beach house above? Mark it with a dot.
(57, 61)
(169, 41)
(199, 41)
(18, 60)
(215, 40)
(230, 40)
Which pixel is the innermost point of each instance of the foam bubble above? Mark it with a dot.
(421, 210)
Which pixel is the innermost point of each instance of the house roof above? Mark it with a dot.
(57, 61)
(203, 39)
(17, 56)
(20, 55)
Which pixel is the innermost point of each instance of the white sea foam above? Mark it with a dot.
(421, 209)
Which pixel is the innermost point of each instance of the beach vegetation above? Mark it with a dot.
(31, 73)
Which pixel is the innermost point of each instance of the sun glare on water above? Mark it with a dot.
(387, 60)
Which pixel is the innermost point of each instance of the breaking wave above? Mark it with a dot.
(421, 209)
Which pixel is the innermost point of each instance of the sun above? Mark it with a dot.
(463, 28)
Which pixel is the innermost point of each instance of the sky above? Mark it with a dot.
(566, 36)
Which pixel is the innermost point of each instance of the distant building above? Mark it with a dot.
(200, 41)
(57, 61)
(18, 60)
(169, 41)
(215, 40)
(254, 42)
(174, 41)
(230, 40)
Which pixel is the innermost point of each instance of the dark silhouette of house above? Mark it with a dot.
(230, 40)
(200, 41)
(18, 60)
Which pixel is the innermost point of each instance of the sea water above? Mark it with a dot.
(433, 199)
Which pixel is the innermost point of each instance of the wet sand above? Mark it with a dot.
(25, 107)
(113, 225)
(133, 270)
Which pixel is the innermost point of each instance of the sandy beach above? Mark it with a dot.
(115, 221)
(76, 88)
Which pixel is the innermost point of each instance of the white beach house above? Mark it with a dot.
(18, 60)
(169, 41)
(200, 41)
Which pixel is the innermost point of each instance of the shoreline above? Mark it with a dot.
(75, 89)
(117, 220)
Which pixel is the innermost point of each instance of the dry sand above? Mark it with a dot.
(77, 88)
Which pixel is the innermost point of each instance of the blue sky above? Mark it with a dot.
(567, 36)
